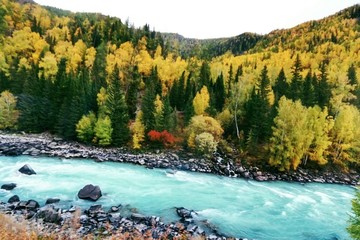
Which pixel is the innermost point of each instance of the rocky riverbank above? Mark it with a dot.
(118, 222)
(48, 145)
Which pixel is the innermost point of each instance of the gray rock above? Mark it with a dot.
(26, 169)
(32, 205)
(90, 192)
(184, 213)
(8, 186)
(49, 214)
(14, 199)
(52, 200)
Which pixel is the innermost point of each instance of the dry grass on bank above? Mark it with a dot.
(17, 228)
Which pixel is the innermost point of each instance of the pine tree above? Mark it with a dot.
(257, 120)
(308, 95)
(4, 82)
(230, 80)
(132, 93)
(219, 93)
(281, 87)
(239, 73)
(148, 106)
(324, 90)
(181, 93)
(174, 93)
(168, 116)
(296, 81)
(351, 74)
(205, 77)
(354, 227)
(118, 111)
(264, 86)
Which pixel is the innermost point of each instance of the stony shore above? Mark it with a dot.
(48, 145)
(119, 219)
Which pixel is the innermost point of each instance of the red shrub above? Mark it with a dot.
(164, 137)
(154, 136)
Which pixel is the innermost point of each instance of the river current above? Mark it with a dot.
(239, 208)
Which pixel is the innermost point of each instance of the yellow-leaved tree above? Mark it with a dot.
(290, 139)
(48, 66)
(345, 136)
(138, 131)
(8, 112)
(195, 133)
(201, 101)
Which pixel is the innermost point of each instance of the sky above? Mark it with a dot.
(209, 18)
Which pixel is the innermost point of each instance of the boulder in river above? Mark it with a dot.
(26, 169)
(184, 213)
(52, 200)
(8, 186)
(14, 199)
(90, 192)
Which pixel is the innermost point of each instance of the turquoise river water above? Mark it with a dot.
(240, 208)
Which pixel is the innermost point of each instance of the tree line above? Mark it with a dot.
(94, 79)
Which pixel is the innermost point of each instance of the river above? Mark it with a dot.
(240, 208)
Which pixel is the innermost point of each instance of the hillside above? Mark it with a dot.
(286, 99)
(209, 48)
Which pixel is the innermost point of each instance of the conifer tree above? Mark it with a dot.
(354, 227)
(296, 80)
(308, 95)
(219, 93)
(148, 106)
(281, 87)
(257, 111)
(132, 93)
(118, 111)
(323, 90)
(239, 73)
(230, 80)
(174, 93)
(204, 77)
(351, 74)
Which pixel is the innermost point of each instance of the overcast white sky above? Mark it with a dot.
(209, 18)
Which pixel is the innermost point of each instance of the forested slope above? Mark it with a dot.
(285, 99)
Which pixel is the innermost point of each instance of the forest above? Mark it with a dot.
(286, 99)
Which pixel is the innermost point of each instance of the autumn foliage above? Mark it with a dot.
(164, 137)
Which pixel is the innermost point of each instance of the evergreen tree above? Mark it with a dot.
(324, 90)
(354, 227)
(219, 93)
(148, 106)
(73, 107)
(181, 93)
(296, 81)
(118, 111)
(308, 95)
(205, 77)
(230, 80)
(281, 87)
(4, 82)
(174, 93)
(264, 86)
(256, 120)
(239, 73)
(132, 93)
(168, 116)
(351, 74)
